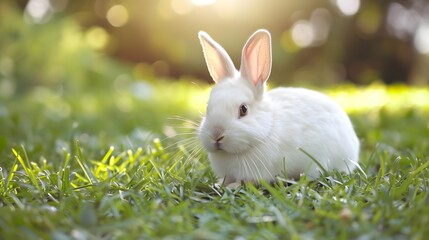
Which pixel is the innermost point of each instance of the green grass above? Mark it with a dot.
(92, 166)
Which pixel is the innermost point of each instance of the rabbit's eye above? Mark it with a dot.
(243, 110)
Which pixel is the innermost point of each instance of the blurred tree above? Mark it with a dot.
(54, 53)
(372, 52)
(313, 41)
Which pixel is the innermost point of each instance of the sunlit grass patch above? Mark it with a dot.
(374, 97)
(392, 117)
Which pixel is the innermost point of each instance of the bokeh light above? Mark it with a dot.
(303, 33)
(348, 7)
(117, 16)
(97, 37)
(321, 23)
(421, 40)
(401, 21)
(38, 11)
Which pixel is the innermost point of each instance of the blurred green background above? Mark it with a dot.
(105, 71)
(64, 43)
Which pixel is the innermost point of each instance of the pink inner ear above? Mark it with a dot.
(257, 59)
(252, 63)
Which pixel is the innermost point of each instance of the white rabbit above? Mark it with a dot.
(253, 135)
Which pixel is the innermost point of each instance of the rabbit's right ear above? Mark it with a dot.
(256, 57)
(218, 61)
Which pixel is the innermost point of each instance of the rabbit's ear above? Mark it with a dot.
(256, 57)
(218, 61)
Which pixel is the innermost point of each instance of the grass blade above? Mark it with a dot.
(26, 168)
(325, 172)
(7, 184)
(86, 171)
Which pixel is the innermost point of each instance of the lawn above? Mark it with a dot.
(121, 163)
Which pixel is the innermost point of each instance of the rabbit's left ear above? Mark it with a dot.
(256, 57)
(218, 61)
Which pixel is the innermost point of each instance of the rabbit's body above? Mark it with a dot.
(251, 134)
(293, 135)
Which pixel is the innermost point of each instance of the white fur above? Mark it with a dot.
(282, 126)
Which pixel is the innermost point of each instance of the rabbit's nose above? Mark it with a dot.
(219, 139)
(218, 134)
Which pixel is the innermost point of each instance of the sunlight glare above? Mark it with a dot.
(348, 7)
(203, 2)
(181, 7)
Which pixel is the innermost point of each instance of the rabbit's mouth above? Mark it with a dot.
(218, 146)
(215, 146)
